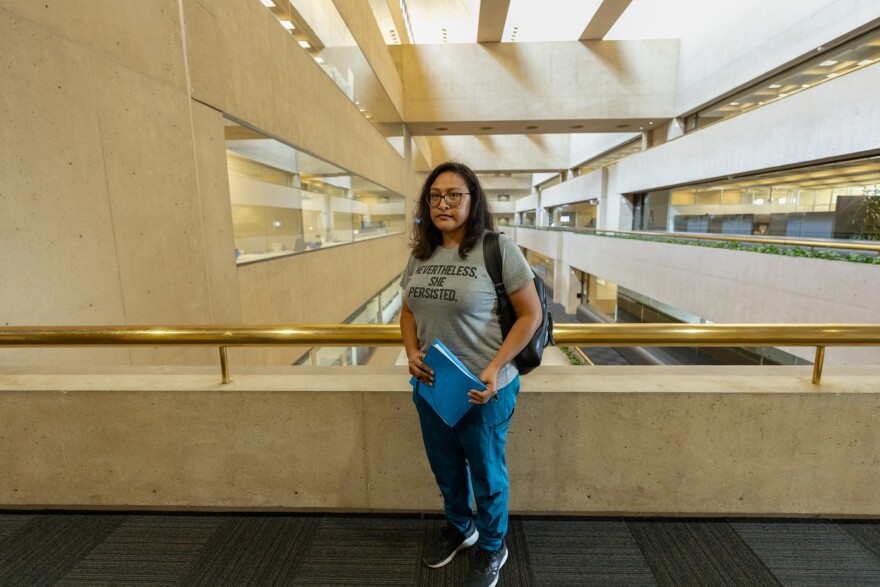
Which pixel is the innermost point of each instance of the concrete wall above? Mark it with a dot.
(114, 189)
(758, 37)
(726, 441)
(581, 188)
(729, 286)
(832, 120)
(320, 287)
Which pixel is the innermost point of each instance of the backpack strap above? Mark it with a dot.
(492, 256)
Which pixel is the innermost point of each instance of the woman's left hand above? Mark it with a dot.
(489, 377)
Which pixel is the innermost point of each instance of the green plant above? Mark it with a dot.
(766, 249)
(869, 214)
(573, 357)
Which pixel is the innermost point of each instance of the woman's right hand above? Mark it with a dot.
(418, 369)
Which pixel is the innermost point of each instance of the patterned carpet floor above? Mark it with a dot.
(81, 548)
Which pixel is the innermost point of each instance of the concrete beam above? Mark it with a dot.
(493, 15)
(399, 22)
(510, 88)
(604, 18)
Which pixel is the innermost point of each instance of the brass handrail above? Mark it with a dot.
(874, 247)
(810, 335)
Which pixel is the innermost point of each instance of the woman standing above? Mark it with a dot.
(448, 295)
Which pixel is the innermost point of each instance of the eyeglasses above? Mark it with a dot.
(453, 199)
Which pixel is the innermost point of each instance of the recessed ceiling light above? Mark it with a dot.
(487, 127)
(319, 59)
(805, 85)
(268, 3)
(367, 116)
(832, 75)
(622, 126)
(531, 127)
(734, 103)
(760, 103)
(288, 25)
(774, 86)
(441, 128)
(828, 63)
(864, 62)
(305, 45)
(782, 95)
(577, 126)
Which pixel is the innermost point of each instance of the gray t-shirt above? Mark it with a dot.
(453, 300)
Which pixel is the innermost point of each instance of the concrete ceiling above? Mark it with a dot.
(488, 21)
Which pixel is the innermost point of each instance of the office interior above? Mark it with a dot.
(204, 162)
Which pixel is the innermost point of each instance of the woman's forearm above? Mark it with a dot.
(408, 332)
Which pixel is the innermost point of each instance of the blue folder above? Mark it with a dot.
(452, 382)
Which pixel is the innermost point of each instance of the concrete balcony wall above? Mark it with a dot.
(603, 440)
(723, 54)
(728, 286)
(527, 203)
(581, 188)
(832, 120)
(541, 241)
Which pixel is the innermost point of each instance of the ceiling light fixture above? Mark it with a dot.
(864, 62)
(734, 103)
(531, 127)
(805, 85)
(830, 75)
(774, 86)
(268, 3)
(441, 128)
(828, 63)
(305, 45)
(319, 59)
(288, 25)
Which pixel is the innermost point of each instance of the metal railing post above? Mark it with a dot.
(817, 365)
(224, 365)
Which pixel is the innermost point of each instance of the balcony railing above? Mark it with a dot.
(802, 335)
(824, 244)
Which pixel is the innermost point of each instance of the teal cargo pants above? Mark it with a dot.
(476, 445)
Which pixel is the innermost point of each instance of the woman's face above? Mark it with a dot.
(450, 219)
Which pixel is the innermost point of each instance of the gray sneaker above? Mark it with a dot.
(485, 567)
(448, 544)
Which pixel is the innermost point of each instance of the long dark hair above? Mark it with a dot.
(426, 237)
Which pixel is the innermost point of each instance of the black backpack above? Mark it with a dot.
(530, 356)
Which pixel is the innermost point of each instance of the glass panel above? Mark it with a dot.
(383, 308)
(580, 215)
(285, 201)
(826, 201)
